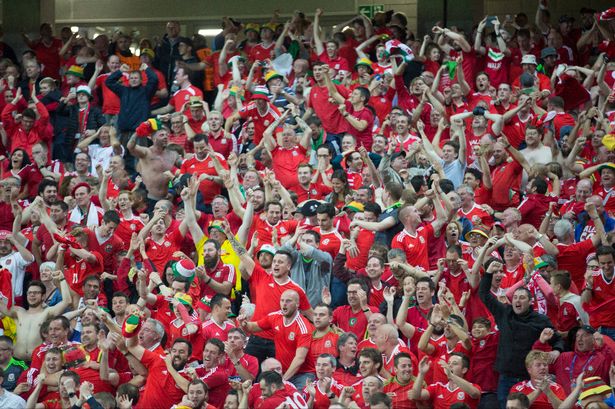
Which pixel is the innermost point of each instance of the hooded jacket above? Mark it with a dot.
(518, 332)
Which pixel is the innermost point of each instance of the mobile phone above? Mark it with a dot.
(491, 20)
(139, 265)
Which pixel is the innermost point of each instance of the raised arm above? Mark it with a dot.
(318, 44)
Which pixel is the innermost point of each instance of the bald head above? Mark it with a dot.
(291, 294)
(271, 364)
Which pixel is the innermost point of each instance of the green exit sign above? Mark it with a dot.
(368, 10)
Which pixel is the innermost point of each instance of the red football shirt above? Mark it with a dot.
(442, 396)
(415, 246)
(160, 389)
(75, 271)
(216, 380)
(108, 248)
(572, 257)
(399, 394)
(290, 337)
(194, 166)
(541, 402)
(332, 120)
(348, 321)
(327, 344)
(127, 227)
(181, 96)
(261, 122)
(161, 253)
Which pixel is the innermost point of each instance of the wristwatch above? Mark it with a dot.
(331, 395)
(72, 394)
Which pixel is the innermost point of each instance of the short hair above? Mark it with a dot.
(217, 300)
(380, 398)
(372, 207)
(380, 260)
(331, 359)
(61, 204)
(111, 216)
(71, 374)
(273, 203)
(184, 341)
(482, 321)
(465, 361)
(541, 185)
(314, 234)
(343, 339)
(327, 306)
(129, 389)
(212, 241)
(361, 282)
(534, 355)
(286, 253)
(326, 208)
(557, 102)
(446, 186)
(604, 251)
(394, 253)
(198, 381)
(521, 397)
(239, 331)
(475, 172)
(562, 228)
(394, 189)
(562, 278)
(37, 283)
(45, 183)
(106, 399)
(120, 294)
(365, 94)
(217, 343)
(158, 327)
(65, 322)
(91, 277)
(272, 378)
(452, 144)
(429, 281)
(373, 354)
(400, 356)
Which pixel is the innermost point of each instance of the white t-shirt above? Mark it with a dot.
(101, 155)
(16, 264)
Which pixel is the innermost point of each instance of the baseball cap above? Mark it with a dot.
(308, 208)
(267, 248)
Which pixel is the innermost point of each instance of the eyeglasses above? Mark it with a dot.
(593, 267)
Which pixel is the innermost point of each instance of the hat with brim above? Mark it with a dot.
(204, 304)
(251, 27)
(267, 248)
(609, 165)
(216, 226)
(84, 89)
(477, 230)
(548, 52)
(354, 207)
(272, 74)
(269, 26)
(588, 328)
(184, 268)
(185, 299)
(308, 208)
(529, 59)
(594, 385)
(608, 140)
(364, 62)
(149, 52)
(539, 263)
(75, 70)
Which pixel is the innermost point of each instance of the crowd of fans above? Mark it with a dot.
(302, 216)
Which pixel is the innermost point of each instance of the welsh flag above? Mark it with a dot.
(397, 47)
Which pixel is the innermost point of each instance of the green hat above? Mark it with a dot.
(184, 268)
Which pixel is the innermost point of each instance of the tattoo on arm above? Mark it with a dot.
(239, 249)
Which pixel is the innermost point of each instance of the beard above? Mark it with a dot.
(178, 364)
(210, 262)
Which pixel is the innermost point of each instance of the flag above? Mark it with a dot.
(607, 15)
(6, 286)
(397, 47)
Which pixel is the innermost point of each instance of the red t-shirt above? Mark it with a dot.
(222, 273)
(111, 101)
(497, 66)
(330, 242)
(181, 96)
(209, 189)
(161, 253)
(315, 191)
(541, 402)
(267, 293)
(482, 371)
(286, 162)
(601, 308)
(506, 180)
(290, 337)
(572, 257)
(261, 53)
(332, 120)
(349, 321)
(338, 63)
(49, 57)
(160, 389)
(126, 228)
(415, 246)
(442, 396)
(327, 344)
(264, 229)
(108, 249)
(75, 271)
(217, 382)
(321, 401)
(399, 394)
(364, 137)
(261, 122)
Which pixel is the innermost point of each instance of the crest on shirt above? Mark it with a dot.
(325, 241)
(461, 396)
(11, 377)
(352, 321)
(108, 248)
(167, 244)
(327, 344)
(266, 123)
(482, 343)
(291, 336)
(8, 262)
(422, 239)
(133, 226)
(283, 229)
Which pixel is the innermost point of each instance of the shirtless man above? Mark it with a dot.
(29, 321)
(154, 164)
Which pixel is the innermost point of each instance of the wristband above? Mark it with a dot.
(367, 310)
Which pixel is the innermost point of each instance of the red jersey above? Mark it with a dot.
(349, 321)
(223, 144)
(177, 329)
(108, 248)
(294, 398)
(332, 120)
(415, 245)
(264, 229)
(388, 363)
(76, 270)
(262, 52)
(216, 380)
(315, 191)
(477, 216)
(442, 396)
(222, 273)
(496, 66)
(484, 351)
(267, 293)
(338, 63)
(161, 252)
(48, 57)
(211, 329)
(399, 393)
(441, 353)
(541, 402)
(286, 162)
(194, 166)
(111, 101)
(572, 257)
(601, 308)
(290, 337)
(127, 227)
(261, 122)
(182, 96)
(506, 179)
(330, 242)
(160, 389)
(567, 315)
(364, 137)
(321, 401)
(327, 344)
